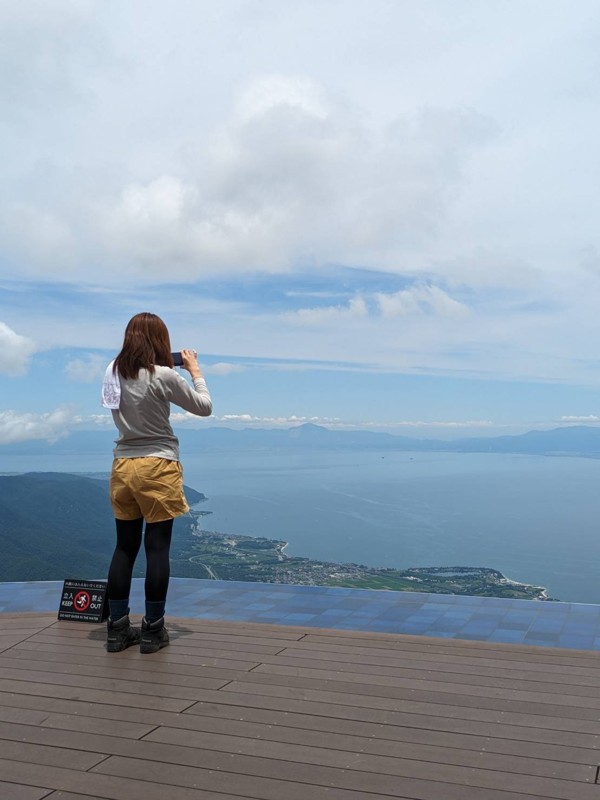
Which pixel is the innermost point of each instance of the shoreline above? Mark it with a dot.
(544, 589)
(541, 595)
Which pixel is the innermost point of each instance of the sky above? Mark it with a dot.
(371, 214)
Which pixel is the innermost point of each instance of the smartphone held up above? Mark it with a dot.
(178, 358)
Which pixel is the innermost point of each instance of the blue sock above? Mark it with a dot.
(118, 609)
(155, 609)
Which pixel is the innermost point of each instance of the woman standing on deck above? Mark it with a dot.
(146, 482)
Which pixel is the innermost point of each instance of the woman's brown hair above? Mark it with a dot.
(145, 345)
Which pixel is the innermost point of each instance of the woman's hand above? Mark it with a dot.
(190, 362)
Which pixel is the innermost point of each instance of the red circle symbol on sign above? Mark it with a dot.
(81, 601)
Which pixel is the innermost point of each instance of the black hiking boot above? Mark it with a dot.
(121, 634)
(154, 636)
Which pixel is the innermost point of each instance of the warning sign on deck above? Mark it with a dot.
(84, 601)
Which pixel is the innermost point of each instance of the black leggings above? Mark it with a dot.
(157, 542)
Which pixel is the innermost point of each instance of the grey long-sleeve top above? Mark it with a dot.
(143, 414)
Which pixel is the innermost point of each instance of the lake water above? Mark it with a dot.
(535, 518)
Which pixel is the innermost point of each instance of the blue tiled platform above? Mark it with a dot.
(489, 619)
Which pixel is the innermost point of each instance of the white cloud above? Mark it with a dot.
(294, 419)
(40, 235)
(94, 420)
(415, 301)
(446, 152)
(15, 351)
(473, 423)
(297, 94)
(333, 423)
(328, 315)
(186, 418)
(16, 426)
(587, 419)
(89, 368)
(42, 44)
(292, 173)
(420, 300)
(180, 418)
(223, 368)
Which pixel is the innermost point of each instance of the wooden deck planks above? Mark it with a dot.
(460, 670)
(13, 631)
(369, 738)
(443, 702)
(431, 677)
(13, 791)
(183, 747)
(242, 711)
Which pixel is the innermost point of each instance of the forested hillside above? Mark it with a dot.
(55, 525)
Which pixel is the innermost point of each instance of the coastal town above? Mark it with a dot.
(222, 556)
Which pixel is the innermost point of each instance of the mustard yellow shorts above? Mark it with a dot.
(148, 487)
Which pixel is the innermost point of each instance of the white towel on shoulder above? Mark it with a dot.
(111, 388)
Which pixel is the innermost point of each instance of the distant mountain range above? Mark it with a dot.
(577, 440)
